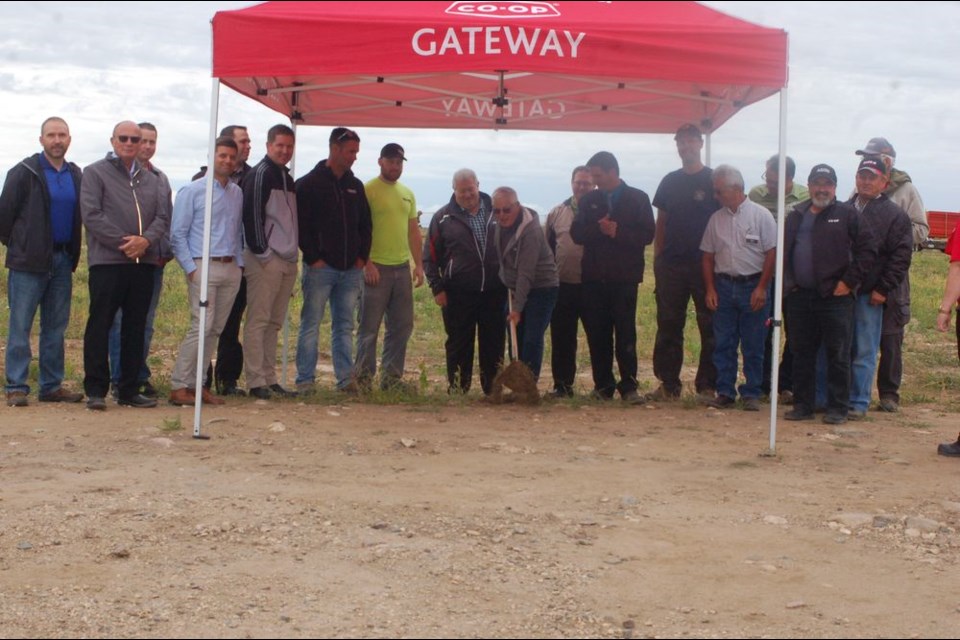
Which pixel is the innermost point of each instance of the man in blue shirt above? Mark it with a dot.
(40, 225)
(226, 262)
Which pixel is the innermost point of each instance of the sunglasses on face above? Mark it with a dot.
(125, 139)
(506, 209)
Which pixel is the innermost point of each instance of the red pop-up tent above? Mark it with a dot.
(566, 66)
(562, 66)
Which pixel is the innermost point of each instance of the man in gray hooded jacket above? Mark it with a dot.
(126, 212)
(528, 270)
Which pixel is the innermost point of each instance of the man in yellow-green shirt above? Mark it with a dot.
(388, 286)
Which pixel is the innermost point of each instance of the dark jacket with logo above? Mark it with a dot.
(843, 247)
(452, 259)
(334, 218)
(25, 226)
(618, 259)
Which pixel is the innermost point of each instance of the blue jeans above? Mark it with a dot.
(867, 324)
(736, 325)
(147, 335)
(533, 325)
(342, 289)
(51, 292)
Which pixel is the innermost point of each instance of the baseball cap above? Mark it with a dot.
(690, 130)
(823, 171)
(876, 147)
(874, 164)
(392, 150)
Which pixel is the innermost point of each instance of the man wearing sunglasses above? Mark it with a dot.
(126, 212)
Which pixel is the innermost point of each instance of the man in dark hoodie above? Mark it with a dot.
(40, 226)
(126, 211)
(896, 311)
(614, 224)
(335, 233)
(460, 261)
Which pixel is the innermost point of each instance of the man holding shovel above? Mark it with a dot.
(528, 270)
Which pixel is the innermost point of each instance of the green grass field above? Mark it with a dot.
(931, 373)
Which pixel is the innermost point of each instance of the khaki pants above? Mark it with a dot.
(222, 287)
(269, 285)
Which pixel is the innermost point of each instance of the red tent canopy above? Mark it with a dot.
(571, 66)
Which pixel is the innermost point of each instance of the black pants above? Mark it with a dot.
(113, 287)
(473, 315)
(610, 312)
(890, 366)
(676, 284)
(815, 320)
(229, 349)
(567, 315)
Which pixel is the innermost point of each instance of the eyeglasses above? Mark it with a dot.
(125, 139)
(583, 183)
(505, 209)
(348, 135)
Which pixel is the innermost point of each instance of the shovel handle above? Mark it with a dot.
(513, 329)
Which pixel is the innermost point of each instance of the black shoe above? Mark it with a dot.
(951, 449)
(798, 413)
(721, 402)
(138, 401)
(96, 404)
(261, 393)
(834, 418)
(114, 392)
(559, 394)
(276, 389)
(231, 389)
(148, 390)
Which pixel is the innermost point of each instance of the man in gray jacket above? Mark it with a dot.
(528, 270)
(126, 212)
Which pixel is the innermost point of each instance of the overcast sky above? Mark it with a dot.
(856, 71)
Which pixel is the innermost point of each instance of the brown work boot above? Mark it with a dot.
(183, 397)
(61, 395)
(209, 398)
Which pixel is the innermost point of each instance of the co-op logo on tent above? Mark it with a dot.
(499, 39)
(504, 9)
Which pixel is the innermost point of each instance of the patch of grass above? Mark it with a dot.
(930, 358)
(171, 424)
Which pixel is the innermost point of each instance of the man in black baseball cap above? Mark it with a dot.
(392, 150)
(896, 312)
(828, 252)
(388, 287)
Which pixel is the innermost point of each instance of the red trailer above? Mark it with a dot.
(942, 224)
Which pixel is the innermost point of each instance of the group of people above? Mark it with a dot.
(488, 261)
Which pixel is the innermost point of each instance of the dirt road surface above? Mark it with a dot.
(469, 520)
